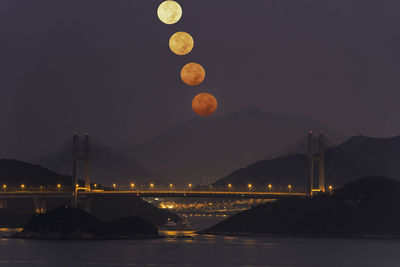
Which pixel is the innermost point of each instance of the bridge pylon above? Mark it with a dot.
(76, 157)
(320, 160)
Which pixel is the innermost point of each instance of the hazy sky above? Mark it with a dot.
(105, 66)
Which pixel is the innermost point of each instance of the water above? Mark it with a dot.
(205, 250)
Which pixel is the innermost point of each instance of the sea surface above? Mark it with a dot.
(201, 250)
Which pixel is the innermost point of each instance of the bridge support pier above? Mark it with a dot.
(78, 157)
(88, 205)
(39, 205)
(320, 160)
(3, 203)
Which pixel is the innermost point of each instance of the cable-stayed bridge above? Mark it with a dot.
(84, 190)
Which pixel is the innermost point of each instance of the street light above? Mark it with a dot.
(270, 187)
(171, 186)
(330, 189)
(59, 187)
(190, 186)
(132, 186)
(4, 186)
(250, 186)
(290, 187)
(152, 186)
(230, 186)
(22, 186)
(95, 186)
(114, 186)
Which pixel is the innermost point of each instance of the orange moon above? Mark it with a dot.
(204, 104)
(193, 74)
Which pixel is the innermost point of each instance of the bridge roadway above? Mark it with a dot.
(149, 193)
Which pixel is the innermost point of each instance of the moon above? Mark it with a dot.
(181, 43)
(169, 12)
(193, 74)
(204, 104)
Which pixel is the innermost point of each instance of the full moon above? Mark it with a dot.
(204, 104)
(193, 74)
(169, 12)
(181, 43)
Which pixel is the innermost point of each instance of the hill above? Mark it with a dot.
(107, 166)
(68, 223)
(357, 157)
(15, 173)
(362, 208)
(202, 150)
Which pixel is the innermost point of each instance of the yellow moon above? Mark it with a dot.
(181, 43)
(204, 104)
(193, 74)
(169, 12)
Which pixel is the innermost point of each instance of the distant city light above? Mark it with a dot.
(270, 186)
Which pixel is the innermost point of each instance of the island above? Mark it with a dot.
(64, 223)
(367, 207)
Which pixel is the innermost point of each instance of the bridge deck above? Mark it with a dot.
(172, 194)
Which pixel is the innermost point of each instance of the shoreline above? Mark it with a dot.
(250, 234)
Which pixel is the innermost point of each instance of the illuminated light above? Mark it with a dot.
(181, 43)
(132, 185)
(77, 185)
(170, 185)
(4, 186)
(114, 185)
(151, 185)
(330, 187)
(169, 12)
(290, 186)
(22, 186)
(250, 185)
(229, 185)
(270, 186)
(95, 185)
(190, 185)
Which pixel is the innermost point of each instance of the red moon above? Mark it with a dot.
(204, 104)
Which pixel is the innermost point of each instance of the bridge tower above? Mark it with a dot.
(320, 159)
(79, 157)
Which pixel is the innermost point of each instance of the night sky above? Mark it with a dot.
(105, 66)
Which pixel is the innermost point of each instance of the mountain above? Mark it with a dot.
(357, 157)
(15, 173)
(106, 166)
(201, 150)
(300, 147)
(361, 208)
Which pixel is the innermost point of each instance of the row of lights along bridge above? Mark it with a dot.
(152, 186)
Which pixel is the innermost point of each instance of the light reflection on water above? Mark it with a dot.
(202, 250)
